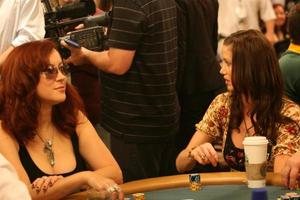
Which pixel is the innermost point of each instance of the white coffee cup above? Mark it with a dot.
(255, 148)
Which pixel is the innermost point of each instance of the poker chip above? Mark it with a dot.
(138, 196)
(289, 196)
(195, 182)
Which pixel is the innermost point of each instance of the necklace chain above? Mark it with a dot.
(48, 149)
(247, 128)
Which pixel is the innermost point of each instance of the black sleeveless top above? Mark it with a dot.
(234, 157)
(34, 172)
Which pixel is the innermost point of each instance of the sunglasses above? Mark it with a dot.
(51, 71)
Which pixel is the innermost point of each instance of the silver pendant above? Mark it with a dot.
(48, 150)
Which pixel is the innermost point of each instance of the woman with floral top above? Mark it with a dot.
(253, 105)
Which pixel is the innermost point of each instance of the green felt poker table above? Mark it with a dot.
(211, 192)
(221, 185)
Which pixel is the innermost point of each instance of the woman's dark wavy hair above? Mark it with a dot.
(256, 74)
(19, 103)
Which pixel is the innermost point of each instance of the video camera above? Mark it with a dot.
(60, 23)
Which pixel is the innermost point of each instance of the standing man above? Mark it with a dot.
(199, 77)
(139, 100)
(290, 60)
(24, 25)
(237, 15)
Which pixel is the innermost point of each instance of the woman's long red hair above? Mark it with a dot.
(19, 103)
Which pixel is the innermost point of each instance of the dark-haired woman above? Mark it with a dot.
(253, 105)
(280, 22)
(44, 133)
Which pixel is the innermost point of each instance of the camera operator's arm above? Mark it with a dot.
(27, 24)
(270, 31)
(268, 16)
(115, 61)
(128, 25)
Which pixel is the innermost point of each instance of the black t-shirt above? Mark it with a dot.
(141, 105)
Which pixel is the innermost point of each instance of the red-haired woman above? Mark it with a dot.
(43, 131)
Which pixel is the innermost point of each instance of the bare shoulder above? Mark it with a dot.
(83, 126)
(81, 118)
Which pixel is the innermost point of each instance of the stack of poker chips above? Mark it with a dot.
(195, 182)
(289, 196)
(139, 196)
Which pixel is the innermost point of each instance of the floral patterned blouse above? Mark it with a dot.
(215, 123)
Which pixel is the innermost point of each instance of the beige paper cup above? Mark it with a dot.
(255, 148)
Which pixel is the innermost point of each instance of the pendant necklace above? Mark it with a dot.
(48, 149)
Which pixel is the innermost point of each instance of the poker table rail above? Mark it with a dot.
(176, 181)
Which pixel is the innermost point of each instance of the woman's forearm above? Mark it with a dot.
(61, 188)
(112, 172)
(184, 161)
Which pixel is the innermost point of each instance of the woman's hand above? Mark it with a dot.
(205, 154)
(104, 187)
(290, 172)
(78, 55)
(43, 183)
